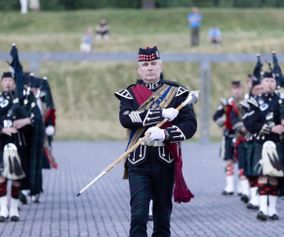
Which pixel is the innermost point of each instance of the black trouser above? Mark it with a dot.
(151, 180)
(194, 36)
(242, 148)
(229, 148)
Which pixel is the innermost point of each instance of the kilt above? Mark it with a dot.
(253, 156)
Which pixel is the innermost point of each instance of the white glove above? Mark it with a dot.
(155, 133)
(49, 130)
(170, 113)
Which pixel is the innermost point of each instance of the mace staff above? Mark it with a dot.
(191, 99)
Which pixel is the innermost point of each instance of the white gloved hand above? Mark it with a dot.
(49, 130)
(155, 133)
(170, 113)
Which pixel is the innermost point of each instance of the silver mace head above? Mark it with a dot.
(192, 98)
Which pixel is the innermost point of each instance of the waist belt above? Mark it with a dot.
(153, 143)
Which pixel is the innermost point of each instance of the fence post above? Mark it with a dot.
(205, 96)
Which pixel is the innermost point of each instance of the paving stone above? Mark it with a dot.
(103, 210)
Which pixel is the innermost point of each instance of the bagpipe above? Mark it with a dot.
(274, 68)
(26, 100)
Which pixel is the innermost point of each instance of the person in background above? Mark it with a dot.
(215, 36)
(11, 157)
(265, 120)
(24, 6)
(226, 116)
(249, 163)
(194, 19)
(102, 30)
(87, 41)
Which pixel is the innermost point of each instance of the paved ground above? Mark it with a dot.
(103, 211)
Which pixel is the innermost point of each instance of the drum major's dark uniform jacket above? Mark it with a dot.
(183, 127)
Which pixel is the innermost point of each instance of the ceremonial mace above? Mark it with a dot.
(191, 99)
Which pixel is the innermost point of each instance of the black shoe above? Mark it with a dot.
(252, 207)
(225, 193)
(15, 218)
(274, 217)
(3, 218)
(150, 217)
(23, 198)
(261, 216)
(35, 198)
(245, 198)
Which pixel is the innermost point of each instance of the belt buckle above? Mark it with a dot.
(153, 143)
(148, 143)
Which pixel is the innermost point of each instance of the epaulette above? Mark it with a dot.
(123, 94)
(181, 89)
(252, 101)
(245, 104)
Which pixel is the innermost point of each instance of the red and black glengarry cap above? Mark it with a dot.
(148, 54)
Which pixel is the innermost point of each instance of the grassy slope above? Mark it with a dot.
(84, 91)
(47, 31)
